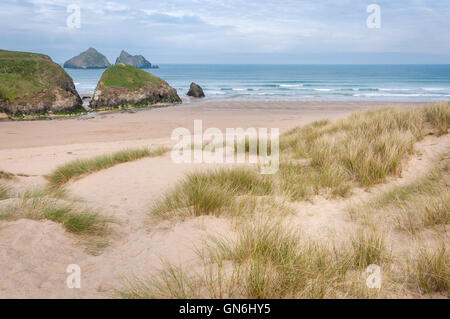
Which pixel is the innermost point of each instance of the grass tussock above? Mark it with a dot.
(6, 175)
(78, 168)
(211, 193)
(361, 149)
(5, 192)
(171, 283)
(430, 272)
(368, 249)
(413, 207)
(267, 260)
(439, 116)
(327, 158)
(40, 204)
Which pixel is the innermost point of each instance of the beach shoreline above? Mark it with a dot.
(158, 122)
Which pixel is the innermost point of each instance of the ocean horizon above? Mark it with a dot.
(415, 83)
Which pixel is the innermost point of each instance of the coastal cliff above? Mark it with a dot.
(32, 84)
(126, 86)
(138, 61)
(89, 59)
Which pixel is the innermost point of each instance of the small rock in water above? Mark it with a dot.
(195, 91)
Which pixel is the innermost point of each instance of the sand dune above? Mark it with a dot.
(34, 254)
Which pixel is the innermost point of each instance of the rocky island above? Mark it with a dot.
(89, 59)
(138, 61)
(195, 90)
(124, 86)
(32, 84)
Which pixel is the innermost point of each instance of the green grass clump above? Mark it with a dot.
(129, 77)
(330, 158)
(439, 116)
(6, 175)
(211, 193)
(368, 249)
(76, 221)
(5, 192)
(431, 271)
(364, 148)
(414, 207)
(265, 260)
(263, 239)
(55, 205)
(275, 262)
(172, 283)
(41, 203)
(78, 168)
(324, 157)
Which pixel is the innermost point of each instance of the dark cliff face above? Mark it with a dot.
(89, 59)
(32, 84)
(126, 86)
(138, 61)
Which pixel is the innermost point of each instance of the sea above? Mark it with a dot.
(414, 83)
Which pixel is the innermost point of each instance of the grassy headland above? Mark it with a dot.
(127, 76)
(32, 84)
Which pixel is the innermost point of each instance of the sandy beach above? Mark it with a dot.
(224, 158)
(34, 254)
(158, 123)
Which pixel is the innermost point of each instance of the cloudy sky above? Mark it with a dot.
(233, 31)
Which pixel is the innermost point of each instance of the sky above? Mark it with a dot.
(233, 31)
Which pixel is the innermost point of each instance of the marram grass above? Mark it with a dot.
(40, 204)
(267, 260)
(5, 191)
(78, 168)
(6, 175)
(211, 193)
(422, 204)
(430, 271)
(322, 158)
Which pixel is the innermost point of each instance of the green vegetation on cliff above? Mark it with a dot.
(125, 86)
(31, 83)
(129, 77)
(23, 73)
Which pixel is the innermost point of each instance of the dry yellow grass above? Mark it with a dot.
(422, 204)
(430, 271)
(211, 193)
(320, 158)
(78, 168)
(55, 205)
(268, 259)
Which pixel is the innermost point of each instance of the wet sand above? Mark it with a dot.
(158, 123)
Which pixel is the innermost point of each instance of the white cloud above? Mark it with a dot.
(239, 26)
(113, 6)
